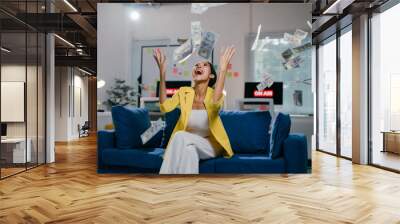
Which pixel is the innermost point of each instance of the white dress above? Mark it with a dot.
(186, 148)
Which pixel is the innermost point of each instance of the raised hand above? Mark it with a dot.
(160, 59)
(225, 58)
(224, 61)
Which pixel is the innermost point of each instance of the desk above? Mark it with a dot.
(391, 141)
(13, 150)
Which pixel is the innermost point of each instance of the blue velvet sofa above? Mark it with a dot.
(259, 147)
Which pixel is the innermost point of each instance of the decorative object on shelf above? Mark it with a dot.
(121, 94)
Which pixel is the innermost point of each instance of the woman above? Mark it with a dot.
(199, 132)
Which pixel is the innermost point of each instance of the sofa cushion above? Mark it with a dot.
(130, 123)
(141, 158)
(249, 163)
(247, 130)
(280, 131)
(207, 166)
(171, 118)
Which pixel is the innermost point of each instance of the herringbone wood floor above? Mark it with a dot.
(70, 191)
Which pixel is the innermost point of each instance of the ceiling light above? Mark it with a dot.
(5, 50)
(135, 15)
(65, 41)
(101, 83)
(338, 6)
(70, 5)
(84, 71)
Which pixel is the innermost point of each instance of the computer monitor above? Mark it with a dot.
(3, 129)
(274, 92)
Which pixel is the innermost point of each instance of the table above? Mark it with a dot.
(391, 141)
(13, 150)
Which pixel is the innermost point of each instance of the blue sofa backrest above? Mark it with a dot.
(248, 131)
(130, 123)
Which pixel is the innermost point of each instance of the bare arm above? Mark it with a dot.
(225, 59)
(166, 105)
(160, 59)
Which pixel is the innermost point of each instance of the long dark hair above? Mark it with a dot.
(212, 81)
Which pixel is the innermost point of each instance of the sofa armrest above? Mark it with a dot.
(105, 139)
(295, 153)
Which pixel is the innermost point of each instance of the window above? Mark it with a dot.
(346, 93)
(385, 89)
(327, 96)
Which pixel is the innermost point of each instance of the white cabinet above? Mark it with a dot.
(17, 146)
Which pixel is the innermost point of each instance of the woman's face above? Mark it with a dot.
(201, 71)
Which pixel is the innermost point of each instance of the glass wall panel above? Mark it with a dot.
(32, 85)
(346, 94)
(385, 89)
(22, 90)
(327, 96)
(13, 117)
(41, 79)
(31, 97)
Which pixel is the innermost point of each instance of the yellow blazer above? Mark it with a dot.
(184, 98)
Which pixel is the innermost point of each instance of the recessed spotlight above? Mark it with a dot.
(135, 15)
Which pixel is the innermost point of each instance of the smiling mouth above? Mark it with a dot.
(198, 72)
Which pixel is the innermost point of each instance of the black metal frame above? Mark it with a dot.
(339, 32)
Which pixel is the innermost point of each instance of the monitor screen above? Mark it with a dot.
(173, 86)
(275, 92)
(3, 129)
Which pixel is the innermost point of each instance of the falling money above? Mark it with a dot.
(256, 40)
(292, 39)
(309, 24)
(196, 34)
(300, 34)
(207, 45)
(183, 52)
(293, 63)
(267, 82)
(152, 130)
(200, 8)
(302, 48)
(287, 54)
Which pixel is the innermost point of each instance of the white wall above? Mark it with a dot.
(67, 80)
(113, 41)
(233, 22)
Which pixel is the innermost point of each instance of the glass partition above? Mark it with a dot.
(31, 97)
(22, 87)
(327, 96)
(14, 153)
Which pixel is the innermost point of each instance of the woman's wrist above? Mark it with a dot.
(223, 72)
